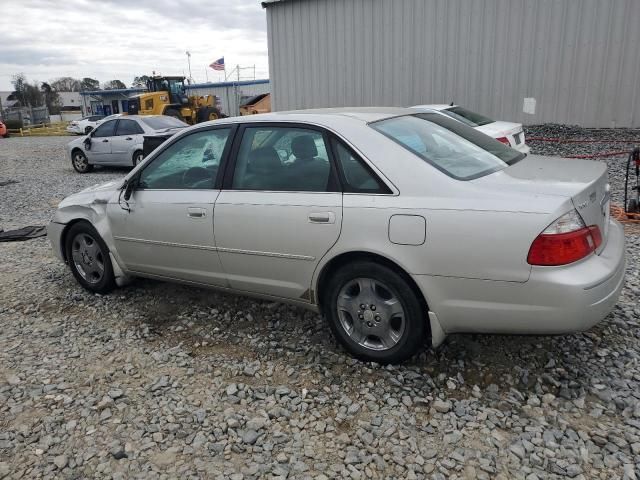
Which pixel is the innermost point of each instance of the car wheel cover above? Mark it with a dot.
(80, 162)
(371, 314)
(88, 258)
(138, 158)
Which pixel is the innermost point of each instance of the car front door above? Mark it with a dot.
(128, 134)
(101, 140)
(166, 227)
(280, 209)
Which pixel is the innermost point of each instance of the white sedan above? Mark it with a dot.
(400, 226)
(509, 133)
(84, 125)
(118, 141)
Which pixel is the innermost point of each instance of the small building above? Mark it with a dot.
(70, 101)
(533, 61)
(108, 102)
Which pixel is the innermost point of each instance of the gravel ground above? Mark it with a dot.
(164, 381)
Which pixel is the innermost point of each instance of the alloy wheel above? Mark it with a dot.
(371, 313)
(88, 257)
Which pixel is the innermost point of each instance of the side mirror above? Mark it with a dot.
(87, 142)
(129, 187)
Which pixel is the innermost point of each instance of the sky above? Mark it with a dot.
(122, 39)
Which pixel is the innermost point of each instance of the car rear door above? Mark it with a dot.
(280, 210)
(129, 134)
(166, 228)
(101, 142)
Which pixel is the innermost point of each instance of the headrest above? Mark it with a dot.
(304, 147)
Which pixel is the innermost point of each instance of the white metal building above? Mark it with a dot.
(576, 61)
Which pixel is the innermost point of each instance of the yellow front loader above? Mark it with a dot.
(167, 96)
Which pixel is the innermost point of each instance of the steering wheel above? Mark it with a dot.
(196, 175)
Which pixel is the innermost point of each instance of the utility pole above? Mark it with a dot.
(189, 60)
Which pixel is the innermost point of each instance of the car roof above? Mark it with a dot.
(435, 106)
(325, 115)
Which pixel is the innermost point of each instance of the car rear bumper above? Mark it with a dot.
(554, 300)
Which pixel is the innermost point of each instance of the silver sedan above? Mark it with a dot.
(117, 140)
(400, 227)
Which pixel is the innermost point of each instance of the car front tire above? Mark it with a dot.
(88, 258)
(80, 162)
(374, 312)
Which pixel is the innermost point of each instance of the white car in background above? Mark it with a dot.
(110, 117)
(84, 125)
(509, 133)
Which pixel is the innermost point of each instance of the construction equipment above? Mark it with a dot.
(632, 206)
(167, 96)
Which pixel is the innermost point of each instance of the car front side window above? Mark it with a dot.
(190, 163)
(107, 129)
(289, 159)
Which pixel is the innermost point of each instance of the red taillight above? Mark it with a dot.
(563, 248)
(504, 140)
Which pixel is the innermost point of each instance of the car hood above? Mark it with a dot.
(499, 128)
(99, 193)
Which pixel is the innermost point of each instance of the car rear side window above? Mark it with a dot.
(107, 129)
(282, 159)
(190, 163)
(452, 147)
(128, 127)
(358, 177)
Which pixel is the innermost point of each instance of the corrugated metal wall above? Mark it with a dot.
(580, 59)
(231, 93)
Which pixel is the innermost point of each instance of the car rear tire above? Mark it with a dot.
(80, 162)
(138, 156)
(88, 258)
(206, 114)
(374, 312)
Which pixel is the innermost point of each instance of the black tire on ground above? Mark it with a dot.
(88, 258)
(138, 156)
(172, 112)
(80, 162)
(206, 114)
(87, 130)
(633, 206)
(392, 286)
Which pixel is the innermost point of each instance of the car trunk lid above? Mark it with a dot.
(584, 182)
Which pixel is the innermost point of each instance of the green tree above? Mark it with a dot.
(141, 81)
(88, 83)
(29, 95)
(113, 85)
(51, 98)
(65, 84)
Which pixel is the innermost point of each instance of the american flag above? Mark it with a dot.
(218, 64)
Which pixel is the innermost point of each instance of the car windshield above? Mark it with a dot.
(467, 117)
(453, 148)
(163, 122)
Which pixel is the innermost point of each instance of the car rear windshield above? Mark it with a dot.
(162, 123)
(467, 117)
(453, 148)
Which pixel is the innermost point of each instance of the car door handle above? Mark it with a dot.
(194, 212)
(128, 138)
(105, 141)
(322, 217)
